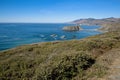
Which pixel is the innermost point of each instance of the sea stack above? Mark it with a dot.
(72, 28)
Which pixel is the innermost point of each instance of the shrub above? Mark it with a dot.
(70, 66)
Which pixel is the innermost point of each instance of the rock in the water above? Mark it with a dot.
(72, 28)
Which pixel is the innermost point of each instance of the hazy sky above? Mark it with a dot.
(56, 10)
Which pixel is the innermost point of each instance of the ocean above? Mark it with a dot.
(16, 34)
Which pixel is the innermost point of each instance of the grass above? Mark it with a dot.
(66, 60)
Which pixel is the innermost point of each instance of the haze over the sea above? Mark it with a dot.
(55, 11)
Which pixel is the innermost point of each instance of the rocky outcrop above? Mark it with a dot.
(72, 28)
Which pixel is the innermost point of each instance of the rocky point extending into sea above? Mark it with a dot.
(72, 28)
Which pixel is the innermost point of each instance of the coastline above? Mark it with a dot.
(38, 33)
(50, 55)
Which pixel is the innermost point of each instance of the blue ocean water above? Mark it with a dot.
(16, 34)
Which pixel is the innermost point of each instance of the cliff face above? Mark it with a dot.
(72, 28)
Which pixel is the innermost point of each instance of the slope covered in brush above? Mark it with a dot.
(66, 60)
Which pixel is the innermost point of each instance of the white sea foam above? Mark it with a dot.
(41, 35)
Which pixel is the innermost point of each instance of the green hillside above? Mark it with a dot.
(83, 59)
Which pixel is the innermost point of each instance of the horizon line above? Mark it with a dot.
(63, 22)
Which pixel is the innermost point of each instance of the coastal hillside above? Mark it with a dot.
(92, 21)
(85, 59)
(113, 26)
(107, 24)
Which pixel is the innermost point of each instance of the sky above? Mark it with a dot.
(56, 11)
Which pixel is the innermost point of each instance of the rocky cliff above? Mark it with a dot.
(72, 28)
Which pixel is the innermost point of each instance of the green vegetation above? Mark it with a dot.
(68, 60)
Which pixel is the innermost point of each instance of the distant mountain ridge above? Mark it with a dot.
(93, 21)
(108, 24)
